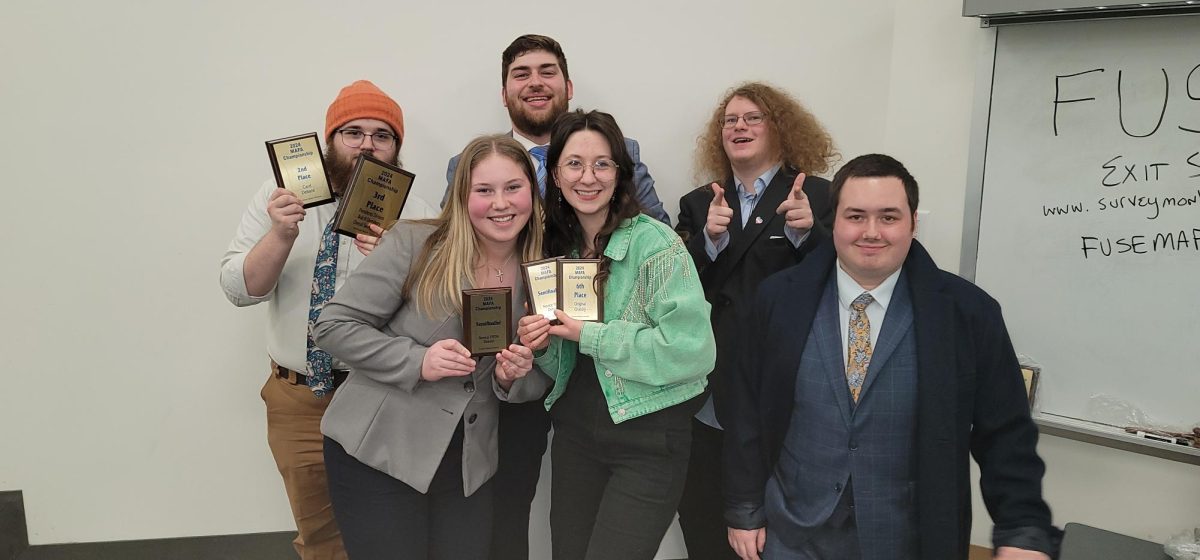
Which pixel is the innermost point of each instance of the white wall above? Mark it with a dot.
(133, 139)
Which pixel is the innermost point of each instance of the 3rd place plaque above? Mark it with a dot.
(376, 195)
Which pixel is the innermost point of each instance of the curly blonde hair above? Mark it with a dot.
(804, 143)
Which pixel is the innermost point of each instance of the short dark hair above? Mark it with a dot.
(529, 43)
(874, 165)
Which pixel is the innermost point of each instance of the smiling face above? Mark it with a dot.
(340, 159)
(873, 228)
(535, 92)
(749, 147)
(587, 194)
(500, 202)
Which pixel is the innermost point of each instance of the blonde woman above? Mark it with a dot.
(410, 438)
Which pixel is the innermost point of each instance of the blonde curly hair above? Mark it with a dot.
(804, 143)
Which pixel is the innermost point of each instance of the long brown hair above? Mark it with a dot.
(564, 233)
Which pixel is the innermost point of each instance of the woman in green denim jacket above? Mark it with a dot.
(625, 388)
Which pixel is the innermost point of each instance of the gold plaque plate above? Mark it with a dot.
(300, 168)
(487, 320)
(577, 289)
(376, 195)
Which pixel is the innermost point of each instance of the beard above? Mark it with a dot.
(538, 124)
(340, 167)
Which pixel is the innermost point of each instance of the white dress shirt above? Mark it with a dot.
(848, 290)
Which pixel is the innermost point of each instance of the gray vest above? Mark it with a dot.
(833, 444)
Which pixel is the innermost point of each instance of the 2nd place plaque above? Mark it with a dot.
(300, 168)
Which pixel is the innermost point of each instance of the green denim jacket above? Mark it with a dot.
(655, 347)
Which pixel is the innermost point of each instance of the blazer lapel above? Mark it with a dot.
(827, 330)
(762, 216)
(896, 322)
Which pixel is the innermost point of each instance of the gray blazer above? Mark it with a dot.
(385, 415)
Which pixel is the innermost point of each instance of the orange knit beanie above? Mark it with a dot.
(362, 100)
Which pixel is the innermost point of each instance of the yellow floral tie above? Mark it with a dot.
(858, 354)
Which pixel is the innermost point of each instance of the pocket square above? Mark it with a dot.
(776, 237)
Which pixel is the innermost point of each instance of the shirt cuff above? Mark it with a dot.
(795, 236)
(1024, 538)
(714, 249)
(745, 516)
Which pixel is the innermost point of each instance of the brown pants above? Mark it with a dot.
(294, 434)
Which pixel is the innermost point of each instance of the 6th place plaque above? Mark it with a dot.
(487, 320)
(300, 168)
(376, 195)
(577, 289)
(541, 283)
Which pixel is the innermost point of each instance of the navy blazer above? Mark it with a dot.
(755, 252)
(971, 399)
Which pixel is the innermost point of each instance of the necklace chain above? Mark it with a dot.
(500, 269)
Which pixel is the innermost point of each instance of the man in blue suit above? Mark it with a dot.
(535, 89)
(865, 377)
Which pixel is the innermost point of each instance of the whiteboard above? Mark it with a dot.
(1089, 228)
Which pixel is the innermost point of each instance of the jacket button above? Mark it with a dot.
(853, 445)
(837, 487)
(607, 373)
(469, 386)
(621, 412)
(471, 420)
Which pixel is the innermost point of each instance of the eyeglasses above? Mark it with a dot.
(603, 169)
(353, 138)
(752, 118)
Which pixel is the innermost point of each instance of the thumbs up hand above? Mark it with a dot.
(719, 214)
(795, 209)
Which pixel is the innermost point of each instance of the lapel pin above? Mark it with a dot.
(758, 219)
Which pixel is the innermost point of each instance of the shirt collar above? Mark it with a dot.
(760, 184)
(619, 241)
(525, 142)
(849, 289)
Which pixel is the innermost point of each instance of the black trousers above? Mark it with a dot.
(614, 487)
(701, 509)
(522, 434)
(383, 518)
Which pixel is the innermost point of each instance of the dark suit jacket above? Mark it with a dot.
(753, 253)
(971, 398)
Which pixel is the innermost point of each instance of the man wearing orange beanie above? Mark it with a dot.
(290, 258)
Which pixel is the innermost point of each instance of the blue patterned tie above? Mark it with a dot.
(539, 155)
(858, 355)
(320, 363)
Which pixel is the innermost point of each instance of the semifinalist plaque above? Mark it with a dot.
(376, 195)
(541, 283)
(300, 168)
(487, 320)
(577, 289)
